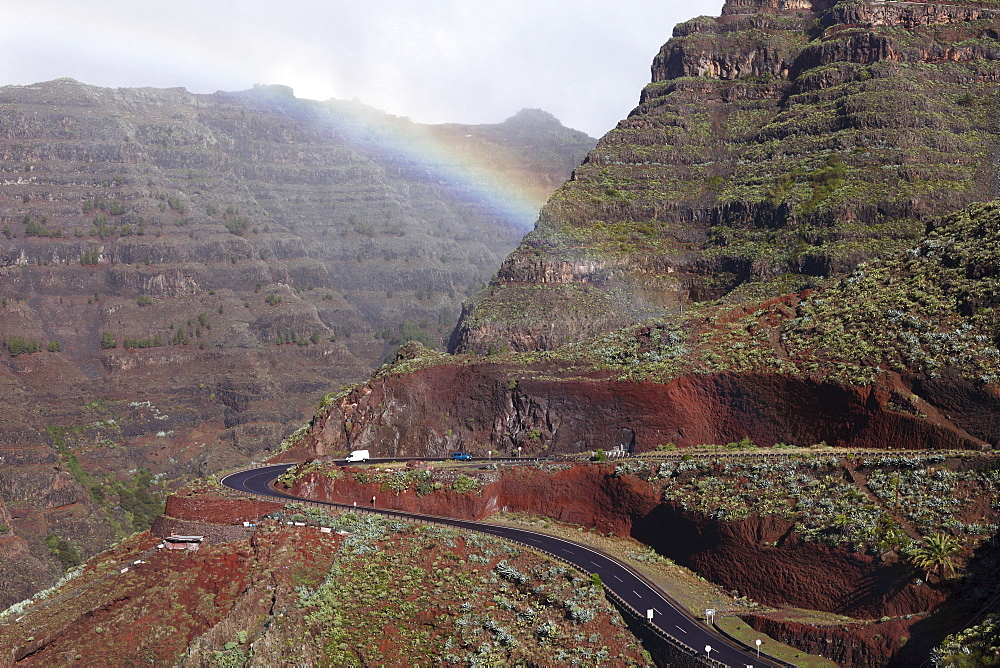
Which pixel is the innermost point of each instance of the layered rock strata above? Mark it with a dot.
(183, 276)
(777, 144)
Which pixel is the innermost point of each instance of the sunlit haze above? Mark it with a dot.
(433, 61)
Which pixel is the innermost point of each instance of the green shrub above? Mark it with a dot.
(464, 483)
(743, 444)
(90, 256)
(237, 225)
(65, 551)
(19, 345)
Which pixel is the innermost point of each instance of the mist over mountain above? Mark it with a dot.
(184, 276)
(771, 290)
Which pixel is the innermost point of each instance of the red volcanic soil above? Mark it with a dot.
(401, 602)
(761, 557)
(217, 518)
(855, 645)
(151, 613)
(739, 555)
(586, 495)
(212, 509)
(447, 407)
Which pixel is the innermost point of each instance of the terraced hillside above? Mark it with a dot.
(901, 353)
(183, 276)
(778, 144)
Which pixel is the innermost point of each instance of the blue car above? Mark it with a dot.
(461, 456)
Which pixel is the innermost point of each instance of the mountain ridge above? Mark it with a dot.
(780, 147)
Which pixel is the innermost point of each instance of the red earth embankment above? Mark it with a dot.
(855, 645)
(219, 519)
(585, 495)
(214, 509)
(761, 556)
(443, 408)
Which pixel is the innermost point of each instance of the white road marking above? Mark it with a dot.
(684, 630)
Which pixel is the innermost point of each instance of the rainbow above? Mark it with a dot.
(481, 173)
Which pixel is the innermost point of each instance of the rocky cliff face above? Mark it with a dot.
(777, 144)
(481, 407)
(183, 276)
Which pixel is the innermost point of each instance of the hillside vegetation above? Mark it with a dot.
(373, 592)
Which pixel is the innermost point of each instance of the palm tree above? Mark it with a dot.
(937, 555)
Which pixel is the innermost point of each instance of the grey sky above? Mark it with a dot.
(467, 61)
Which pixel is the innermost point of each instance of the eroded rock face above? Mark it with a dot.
(481, 407)
(874, 645)
(217, 509)
(779, 142)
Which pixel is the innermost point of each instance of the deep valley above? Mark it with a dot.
(750, 348)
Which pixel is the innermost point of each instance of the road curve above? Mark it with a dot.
(629, 586)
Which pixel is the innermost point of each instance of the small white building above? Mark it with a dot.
(176, 542)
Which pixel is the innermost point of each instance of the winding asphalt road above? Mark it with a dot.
(633, 589)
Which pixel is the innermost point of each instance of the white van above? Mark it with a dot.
(359, 456)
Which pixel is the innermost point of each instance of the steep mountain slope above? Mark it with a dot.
(183, 276)
(836, 222)
(902, 353)
(777, 144)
